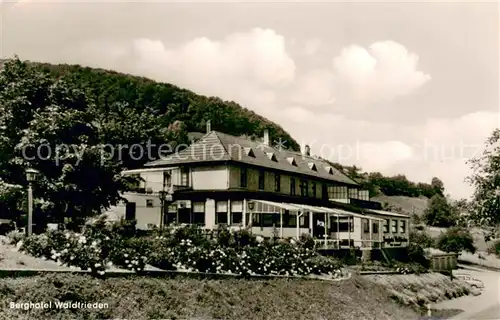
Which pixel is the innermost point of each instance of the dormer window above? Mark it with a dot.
(312, 166)
(329, 170)
(249, 152)
(292, 161)
(271, 156)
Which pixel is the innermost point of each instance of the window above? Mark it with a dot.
(375, 227)
(249, 152)
(386, 225)
(262, 179)
(353, 193)
(185, 177)
(221, 212)
(243, 177)
(313, 189)
(289, 220)
(394, 226)
(198, 213)
(364, 195)
(324, 191)
(292, 161)
(167, 179)
(236, 212)
(270, 219)
(312, 166)
(171, 216)
(303, 188)
(277, 182)
(292, 186)
(149, 203)
(304, 221)
(366, 226)
(130, 209)
(271, 156)
(402, 226)
(342, 225)
(337, 192)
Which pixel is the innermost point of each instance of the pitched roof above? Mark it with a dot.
(218, 146)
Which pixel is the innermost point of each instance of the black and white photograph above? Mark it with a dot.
(230, 160)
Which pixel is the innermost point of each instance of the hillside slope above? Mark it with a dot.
(154, 298)
(168, 101)
(409, 205)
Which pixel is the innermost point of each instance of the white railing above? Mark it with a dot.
(337, 244)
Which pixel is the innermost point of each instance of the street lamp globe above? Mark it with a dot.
(168, 197)
(31, 174)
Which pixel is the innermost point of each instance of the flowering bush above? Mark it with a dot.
(101, 245)
(15, 237)
(131, 253)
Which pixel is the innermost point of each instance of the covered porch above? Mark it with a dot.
(331, 228)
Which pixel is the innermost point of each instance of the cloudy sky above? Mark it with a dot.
(407, 88)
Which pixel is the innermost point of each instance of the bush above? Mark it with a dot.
(15, 237)
(178, 248)
(421, 238)
(494, 248)
(456, 240)
(306, 241)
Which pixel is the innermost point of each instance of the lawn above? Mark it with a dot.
(155, 298)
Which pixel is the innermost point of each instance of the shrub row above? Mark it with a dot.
(102, 245)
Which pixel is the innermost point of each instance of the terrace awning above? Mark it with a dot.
(271, 206)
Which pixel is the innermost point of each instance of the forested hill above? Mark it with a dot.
(398, 185)
(126, 109)
(169, 102)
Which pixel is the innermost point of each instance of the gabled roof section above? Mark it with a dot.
(208, 148)
(272, 156)
(219, 147)
(249, 152)
(291, 160)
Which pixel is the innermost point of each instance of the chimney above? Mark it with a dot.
(209, 126)
(266, 137)
(307, 150)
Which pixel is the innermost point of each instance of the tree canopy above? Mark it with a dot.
(81, 127)
(398, 185)
(485, 178)
(440, 213)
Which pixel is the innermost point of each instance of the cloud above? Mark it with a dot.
(438, 147)
(257, 57)
(384, 71)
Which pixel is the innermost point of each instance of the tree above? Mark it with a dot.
(437, 185)
(456, 240)
(439, 213)
(47, 124)
(485, 178)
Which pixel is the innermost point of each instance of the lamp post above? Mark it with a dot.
(251, 206)
(31, 175)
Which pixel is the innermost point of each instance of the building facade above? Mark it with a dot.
(238, 183)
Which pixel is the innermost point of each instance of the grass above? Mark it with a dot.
(153, 298)
(408, 204)
(417, 291)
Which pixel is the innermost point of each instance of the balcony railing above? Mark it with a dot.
(151, 191)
